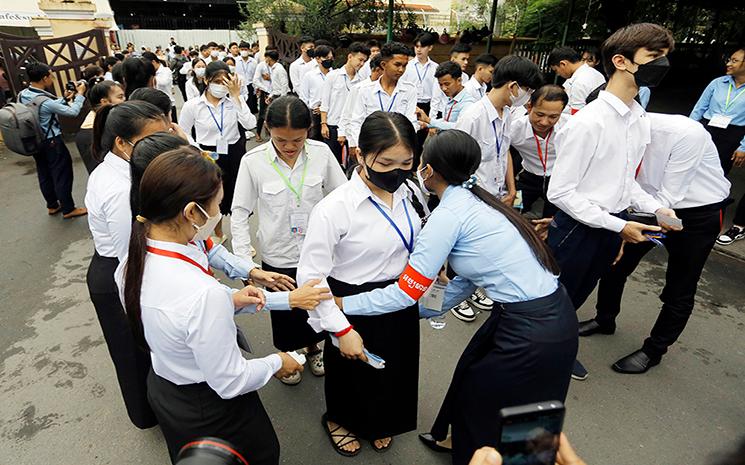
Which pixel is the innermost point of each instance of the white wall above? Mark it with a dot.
(153, 37)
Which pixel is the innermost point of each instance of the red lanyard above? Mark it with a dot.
(540, 152)
(171, 254)
(455, 102)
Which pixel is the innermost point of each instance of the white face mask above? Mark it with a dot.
(199, 72)
(523, 96)
(203, 232)
(218, 90)
(421, 181)
(214, 53)
(231, 68)
(244, 53)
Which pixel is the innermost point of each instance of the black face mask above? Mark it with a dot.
(389, 181)
(651, 74)
(327, 63)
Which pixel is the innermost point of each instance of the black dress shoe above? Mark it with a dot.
(431, 442)
(636, 363)
(590, 327)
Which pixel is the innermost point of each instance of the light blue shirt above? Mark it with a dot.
(50, 108)
(713, 101)
(481, 245)
(452, 110)
(644, 95)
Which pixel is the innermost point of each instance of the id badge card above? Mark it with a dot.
(222, 146)
(720, 121)
(434, 297)
(298, 223)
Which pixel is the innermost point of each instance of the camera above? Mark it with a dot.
(72, 85)
(209, 451)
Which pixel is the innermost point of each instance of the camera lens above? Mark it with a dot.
(209, 451)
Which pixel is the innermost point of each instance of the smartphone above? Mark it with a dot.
(529, 434)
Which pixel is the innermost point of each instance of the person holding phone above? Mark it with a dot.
(524, 352)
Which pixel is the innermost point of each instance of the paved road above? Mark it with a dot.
(60, 401)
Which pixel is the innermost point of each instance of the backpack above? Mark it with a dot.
(20, 127)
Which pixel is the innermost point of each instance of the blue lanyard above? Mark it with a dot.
(417, 71)
(498, 140)
(219, 126)
(380, 100)
(409, 245)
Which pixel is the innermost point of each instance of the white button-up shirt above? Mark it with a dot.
(164, 81)
(298, 68)
(339, 244)
(259, 185)
(584, 80)
(371, 98)
(259, 82)
(439, 99)
(492, 132)
(475, 88)
(213, 122)
(681, 166)
(280, 81)
(525, 141)
(597, 154)
(423, 77)
(191, 90)
(109, 211)
(346, 113)
(246, 69)
(187, 316)
(336, 89)
(365, 72)
(311, 88)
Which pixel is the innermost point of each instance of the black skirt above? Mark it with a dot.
(193, 411)
(290, 330)
(727, 141)
(522, 354)
(131, 362)
(371, 403)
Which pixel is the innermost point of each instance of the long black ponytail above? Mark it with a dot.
(125, 120)
(455, 156)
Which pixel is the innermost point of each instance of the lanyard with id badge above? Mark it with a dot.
(722, 121)
(298, 215)
(222, 144)
(498, 141)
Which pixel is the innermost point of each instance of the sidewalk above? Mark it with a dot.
(736, 250)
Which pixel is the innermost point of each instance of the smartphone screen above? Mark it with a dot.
(531, 438)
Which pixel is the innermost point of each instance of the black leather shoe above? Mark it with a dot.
(431, 442)
(636, 363)
(590, 327)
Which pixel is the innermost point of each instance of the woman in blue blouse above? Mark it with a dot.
(524, 352)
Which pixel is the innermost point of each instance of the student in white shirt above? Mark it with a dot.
(581, 78)
(230, 61)
(366, 69)
(163, 80)
(477, 85)
(460, 54)
(594, 187)
(359, 238)
(196, 85)
(421, 72)
(448, 75)
(200, 383)
(681, 170)
(246, 67)
(216, 117)
(262, 82)
(115, 131)
(311, 86)
(336, 89)
(303, 64)
(390, 93)
(233, 50)
(205, 53)
(533, 135)
(282, 181)
(278, 76)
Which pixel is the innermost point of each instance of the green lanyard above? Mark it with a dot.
(727, 104)
(298, 191)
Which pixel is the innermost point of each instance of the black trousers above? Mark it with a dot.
(533, 188)
(315, 128)
(54, 170)
(584, 254)
(181, 80)
(522, 354)
(421, 135)
(192, 411)
(131, 362)
(229, 164)
(687, 253)
(333, 143)
(262, 112)
(174, 116)
(727, 142)
(252, 101)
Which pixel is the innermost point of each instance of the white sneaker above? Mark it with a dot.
(479, 300)
(292, 379)
(735, 233)
(463, 312)
(315, 362)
